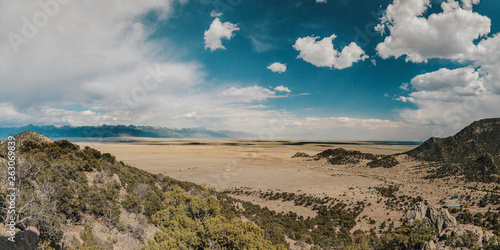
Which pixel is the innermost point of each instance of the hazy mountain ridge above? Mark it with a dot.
(121, 131)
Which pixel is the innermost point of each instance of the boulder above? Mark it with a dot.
(459, 230)
(429, 246)
(116, 178)
(445, 220)
(24, 240)
(418, 212)
(441, 219)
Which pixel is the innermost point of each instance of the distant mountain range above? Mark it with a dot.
(106, 131)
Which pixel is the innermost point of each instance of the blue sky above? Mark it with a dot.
(335, 69)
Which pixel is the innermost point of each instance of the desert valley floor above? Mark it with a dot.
(269, 166)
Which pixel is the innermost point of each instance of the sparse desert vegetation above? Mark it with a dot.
(251, 195)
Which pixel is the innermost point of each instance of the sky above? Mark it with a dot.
(304, 69)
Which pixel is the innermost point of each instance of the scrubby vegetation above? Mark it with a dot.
(330, 228)
(61, 184)
(472, 154)
(475, 140)
(393, 201)
(480, 170)
(340, 156)
(489, 220)
(388, 161)
(195, 220)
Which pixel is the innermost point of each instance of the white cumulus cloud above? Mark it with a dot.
(405, 99)
(322, 53)
(447, 98)
(248, 94)
(449, 34)
(282, 88)
(467, 4)
(217, 31)
(451, 99)
(215, 14)
(277, 67)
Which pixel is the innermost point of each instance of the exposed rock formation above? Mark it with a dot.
(418, 212)
(460, 230)
(441, 219)
(451, 235)
(300, 154)
(449, 231)
(24, 240)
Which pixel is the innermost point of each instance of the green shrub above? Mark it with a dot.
(132, 203)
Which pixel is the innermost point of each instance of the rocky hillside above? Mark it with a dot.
(479, 138)
(472, 154)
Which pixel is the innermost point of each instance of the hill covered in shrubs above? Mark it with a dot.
(479, 138)
(473, 153)
(79, 198)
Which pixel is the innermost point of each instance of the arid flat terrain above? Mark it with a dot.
(268, 166)
(230, 163)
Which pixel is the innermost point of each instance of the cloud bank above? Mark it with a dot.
(449, 98)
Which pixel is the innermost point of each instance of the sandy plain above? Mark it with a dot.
(236, 163)
(269, 166)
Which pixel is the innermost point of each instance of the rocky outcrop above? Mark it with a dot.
(340, 156)
(24, 240)
(441, 219)
(461, 235)
(300, 155)
(483, 236)
(450, 233)
(418, 212)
